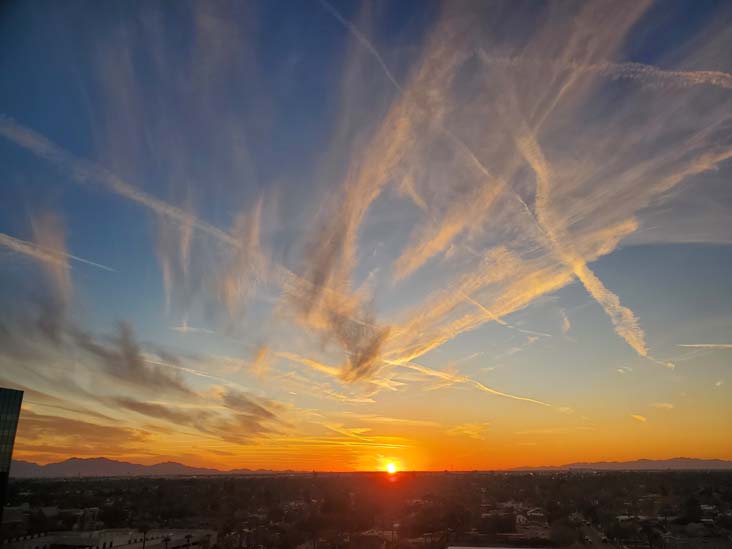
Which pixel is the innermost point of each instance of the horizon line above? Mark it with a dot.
(586, 465)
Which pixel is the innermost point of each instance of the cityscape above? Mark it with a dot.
(365, 274)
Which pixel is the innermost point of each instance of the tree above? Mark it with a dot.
(144, 529)
(692, 510)
(563, 533)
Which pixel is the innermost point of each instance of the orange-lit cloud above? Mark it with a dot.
(408, 280)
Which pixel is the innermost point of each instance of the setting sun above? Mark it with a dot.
(391, 468)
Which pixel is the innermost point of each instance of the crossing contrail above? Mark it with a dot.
(33, 250)
(83, 171)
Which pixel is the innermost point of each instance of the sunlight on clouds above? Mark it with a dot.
(331, 265)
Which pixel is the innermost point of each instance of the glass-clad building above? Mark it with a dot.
(10, 401)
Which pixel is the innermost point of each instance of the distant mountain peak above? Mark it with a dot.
(106, 467)
(643, 464)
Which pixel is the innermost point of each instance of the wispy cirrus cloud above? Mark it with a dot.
(386, 420)
(566, 324)
(179, 417)
(322, 390)
(475, 431)
(123, 359)
(186, 328)
(489, 202)
(548, 223)
(49, 234)
(50, 436)
(246, 266)
(243, 266)
(551, 431)
(261, 362)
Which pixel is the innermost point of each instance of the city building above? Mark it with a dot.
(10, 401)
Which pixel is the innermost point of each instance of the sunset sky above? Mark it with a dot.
(330, 236)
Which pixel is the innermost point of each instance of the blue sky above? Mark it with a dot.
(240, 232)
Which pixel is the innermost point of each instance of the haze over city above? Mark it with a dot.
(345, 236)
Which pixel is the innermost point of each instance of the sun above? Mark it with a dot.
(391, 468)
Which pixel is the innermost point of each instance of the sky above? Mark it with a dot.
(319, 235)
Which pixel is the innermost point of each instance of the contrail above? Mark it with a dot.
(629, 71)
(453, 378)
(707, 345)
(33, 250)
(467, 152)
(624, 321)
(83, 171)
(458, 143)
(363, 40)
(151, 359)
(498, 319)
